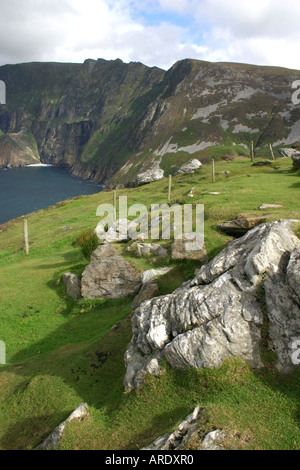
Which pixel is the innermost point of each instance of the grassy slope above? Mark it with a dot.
(61, 353)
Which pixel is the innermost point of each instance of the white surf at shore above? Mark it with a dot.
(37, 165)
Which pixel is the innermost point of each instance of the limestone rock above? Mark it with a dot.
(109, 275)
(220, 313)
(189, 167)
(147, 292)
(263, 163)
(72, 283)
(150, 249)
(53, 440)
(270, 206)
(289, 152)
(119, 231)
(240, 226)
(190, 247)
(155, 173)
(296, 161)
(213, 440)
(147, 276)
(179, 439)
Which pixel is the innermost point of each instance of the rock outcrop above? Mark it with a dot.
(109, 276)
(219, 314)
(189, 167)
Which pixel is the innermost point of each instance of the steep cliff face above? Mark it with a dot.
(111, 121)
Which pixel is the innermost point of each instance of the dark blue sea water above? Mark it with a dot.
(25, 190)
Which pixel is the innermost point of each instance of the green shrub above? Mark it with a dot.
(88, 241)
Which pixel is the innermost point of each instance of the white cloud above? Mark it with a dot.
(253, 31)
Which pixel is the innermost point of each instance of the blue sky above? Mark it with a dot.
(155, 32)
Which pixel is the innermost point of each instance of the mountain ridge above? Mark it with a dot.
(111, 121)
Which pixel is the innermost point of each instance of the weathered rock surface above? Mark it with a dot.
(72, 283)
(109, 275)
(219, 314)
(213, 440)
(119, 231)
(296, 161)
(189, 167)
(147, 292)
(240, 226)
(155, 173)
(289, 152)
(190, 247)
(270, 206)
(53, 440)
(179, 439)
(144, 250)
(263, 163)
(147, 276)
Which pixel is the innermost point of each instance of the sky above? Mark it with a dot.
(154, 32)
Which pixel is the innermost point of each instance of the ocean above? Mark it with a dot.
(25, 190)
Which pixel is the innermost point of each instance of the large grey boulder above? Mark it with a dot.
(109, 275)
(220, 313)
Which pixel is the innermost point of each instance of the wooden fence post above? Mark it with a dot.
(272, 153)
(252, 151)
(26, 237)
(170, 187)
(213, 171)
(115, 205)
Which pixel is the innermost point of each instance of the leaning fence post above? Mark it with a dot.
(26, 237)
(272, 153)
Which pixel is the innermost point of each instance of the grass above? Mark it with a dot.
(61, 353)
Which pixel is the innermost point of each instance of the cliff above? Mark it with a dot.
(111, 121)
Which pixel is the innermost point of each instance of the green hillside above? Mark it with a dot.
(61, 353)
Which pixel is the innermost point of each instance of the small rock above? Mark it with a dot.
(240, 226)
(148, 276)
(263, 163)
(72, 283)
(150, 249)
(55, 437)
(179, 439)
(270, 206)
(213, 440)
(189, 167)
(190, 247)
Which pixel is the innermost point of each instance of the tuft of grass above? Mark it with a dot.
(88, 242)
